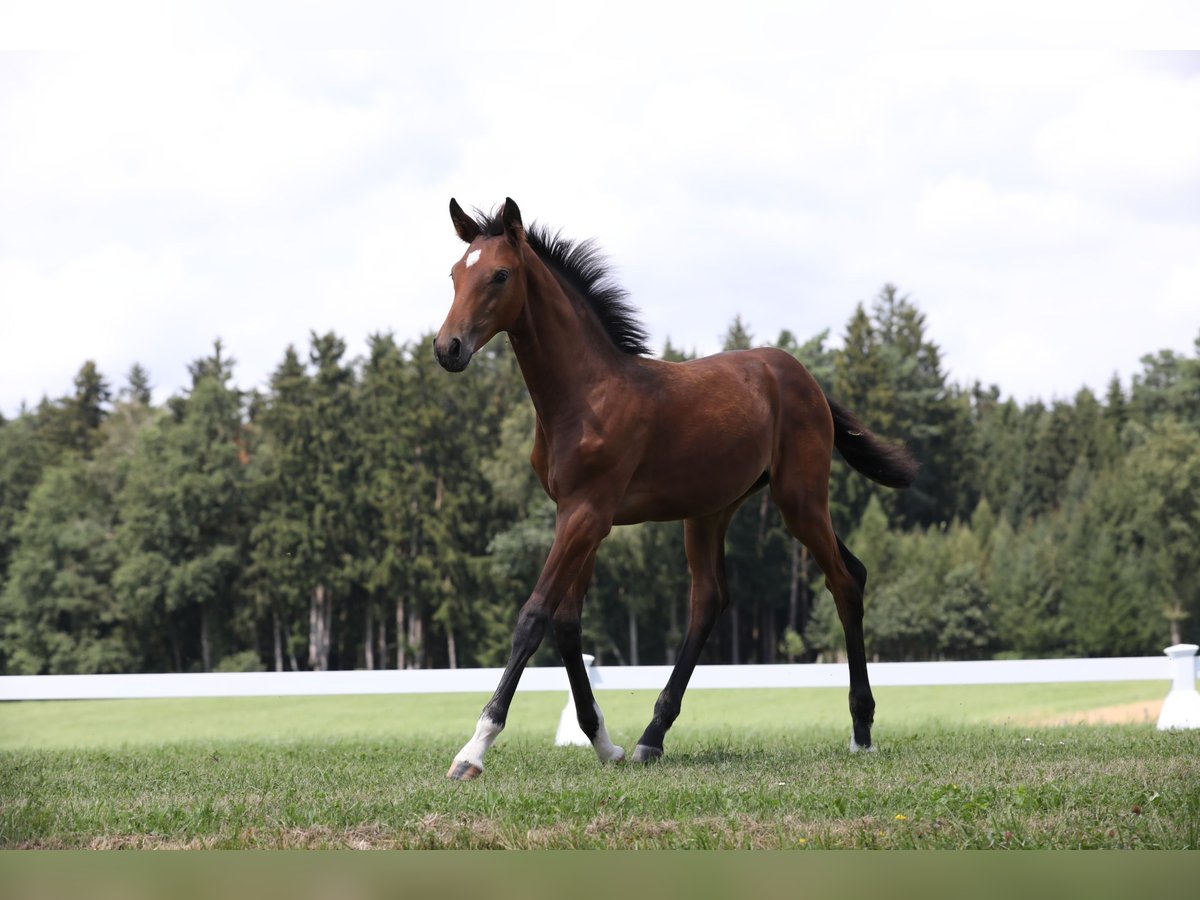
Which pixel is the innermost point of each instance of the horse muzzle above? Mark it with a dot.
(453, 354)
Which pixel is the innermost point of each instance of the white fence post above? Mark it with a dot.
(569, 733)
(1181, 709)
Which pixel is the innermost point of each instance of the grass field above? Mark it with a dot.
(957, 767)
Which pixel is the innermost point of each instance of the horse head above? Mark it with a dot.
(489, 285)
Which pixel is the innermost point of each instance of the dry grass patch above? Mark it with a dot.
(1144, 712)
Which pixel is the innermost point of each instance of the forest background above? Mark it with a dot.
(380, 513)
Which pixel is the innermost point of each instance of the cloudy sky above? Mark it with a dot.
(1041, 206)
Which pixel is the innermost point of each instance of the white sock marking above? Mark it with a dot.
(473, 257)
(485, 735)
(855, 746)
(605, 749)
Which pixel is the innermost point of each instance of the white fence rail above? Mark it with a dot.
(614, 678)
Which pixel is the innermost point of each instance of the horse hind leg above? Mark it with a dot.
(704, 542)
(862, 702)
(806, 513)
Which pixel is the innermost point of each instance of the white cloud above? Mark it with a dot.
(213, 132)
(257, 195)
(1133, 137)
(970, 218)
(100, 306)
(1180, 297)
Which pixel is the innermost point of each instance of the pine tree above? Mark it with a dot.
(891, 375)
(457, 424)
(1167, 386)
(70, 425)
(281, 569)
(1162, 518)
(738, 337)
(60, 612)
(138, 389)
(384, 439)
(185, 520)
(24, 455)
(334, 470)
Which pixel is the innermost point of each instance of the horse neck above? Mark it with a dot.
(560, 345)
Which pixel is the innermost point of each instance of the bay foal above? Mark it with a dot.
(622, 438)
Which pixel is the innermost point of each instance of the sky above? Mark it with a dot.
(175, 173)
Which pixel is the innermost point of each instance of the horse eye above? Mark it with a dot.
(501, 276)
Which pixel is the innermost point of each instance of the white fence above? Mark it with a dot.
(615, 678)
(1181, 710)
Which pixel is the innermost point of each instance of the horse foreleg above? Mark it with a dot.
(704, 542)
(570, 648)
(577, 534)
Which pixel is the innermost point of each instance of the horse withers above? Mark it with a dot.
(622, 437)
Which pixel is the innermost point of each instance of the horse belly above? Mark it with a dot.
(696, 474)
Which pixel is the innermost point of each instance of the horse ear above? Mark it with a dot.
(464, 225)
(511, 216)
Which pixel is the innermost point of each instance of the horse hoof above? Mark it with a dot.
(616, 756)
(464, 771)
(646, 755)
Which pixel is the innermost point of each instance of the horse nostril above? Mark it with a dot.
(455, 346)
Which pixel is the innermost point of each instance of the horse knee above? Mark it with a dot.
(862, 704)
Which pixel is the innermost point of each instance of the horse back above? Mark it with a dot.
(710, 428)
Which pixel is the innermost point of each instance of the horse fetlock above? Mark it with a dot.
(862, 708)
(666, 710)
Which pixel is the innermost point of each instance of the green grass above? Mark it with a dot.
(451, 717)
(763, 769)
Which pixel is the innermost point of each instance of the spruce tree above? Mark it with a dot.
(186, 522)
(282, 567)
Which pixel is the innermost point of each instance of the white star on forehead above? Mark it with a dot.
(473, 257)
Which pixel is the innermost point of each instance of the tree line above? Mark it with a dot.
(377, 512)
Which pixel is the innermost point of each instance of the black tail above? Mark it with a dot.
(889, 464)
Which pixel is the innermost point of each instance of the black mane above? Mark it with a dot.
(583, 266)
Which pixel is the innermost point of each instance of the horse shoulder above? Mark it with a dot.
(599, 443)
